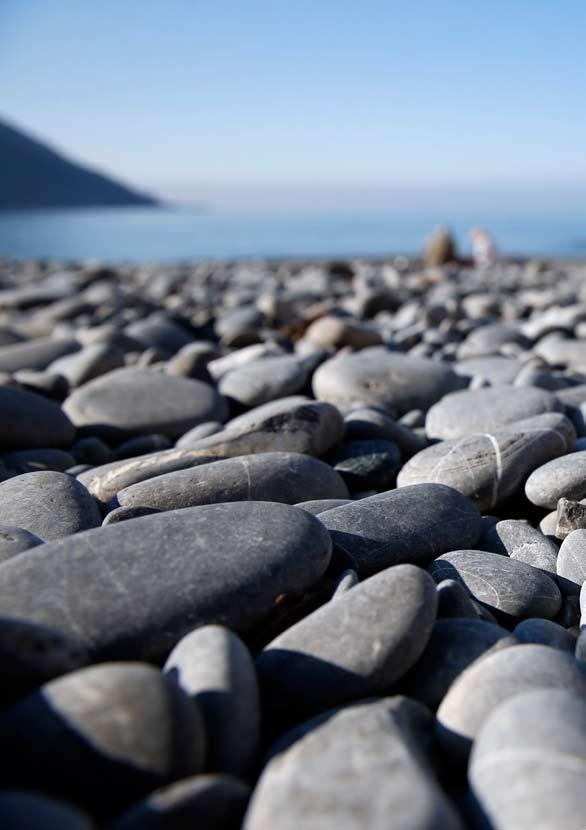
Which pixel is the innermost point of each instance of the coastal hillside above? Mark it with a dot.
(33, 175)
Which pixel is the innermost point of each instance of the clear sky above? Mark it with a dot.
(177, 93)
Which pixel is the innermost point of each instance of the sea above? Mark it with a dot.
(177, 234)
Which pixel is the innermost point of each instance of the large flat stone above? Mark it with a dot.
(132, 590)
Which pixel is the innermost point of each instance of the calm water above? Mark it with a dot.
(172, 235)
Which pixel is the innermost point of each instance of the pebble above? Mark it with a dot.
(275, 476)
(367, 465)
(30, 461)
(90, 362)
(409, 525)
(495, 370)
(208, 802)
(130, 401)
(378, 377)
(15, 540)
(192, 436)
(493, 679)
(527, 764)
(571, 562)
(454, 600)
(31, 654)
(49, 505)
(507, 586)
(491, 467)
(454, 645)
(563, 477)
(546, 632)
(29, 420)
(35, 354)
(30, 811)
(369, 423)
(121, 728)
(353, 769)
(261, 381)
(159, 332)
(288, 425)
(483, 410)
(317, 506)
(358, 646)
(524, 543)
(155, 578)
(214, 667)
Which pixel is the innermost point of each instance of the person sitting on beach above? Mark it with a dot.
(484, 249)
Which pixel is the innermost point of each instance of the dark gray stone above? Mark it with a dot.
(272, 476)
(30, 461)
(454, 645)
(29, 420)
(524, 543)
(142, 445)
(368, 423)
(494, 678)
(453, 600)
(32, 654)
(50, 505)
(367, 465)
(317, 506)
(158, 332)
(357, 768)
(15, 540)
(413, 524)
(134, 589)
(132, 401)
(546, 632)
(489, 468)
(121, 729)
(571, 562)
(32, 811)
(261, 381)
(357, 646)
(91, 451)
(378, 377)
(484, 410)
(507, 586)
(563, 477)
(527, 764)
(214, 667)
(205, 802)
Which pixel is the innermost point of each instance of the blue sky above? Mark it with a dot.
(180, 94)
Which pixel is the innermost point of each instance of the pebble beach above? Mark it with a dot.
(293, 545)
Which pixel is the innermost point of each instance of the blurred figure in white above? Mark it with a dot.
(484, 249)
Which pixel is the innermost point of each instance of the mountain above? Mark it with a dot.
(33, 175)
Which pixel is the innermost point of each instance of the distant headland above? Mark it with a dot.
(32, 175)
